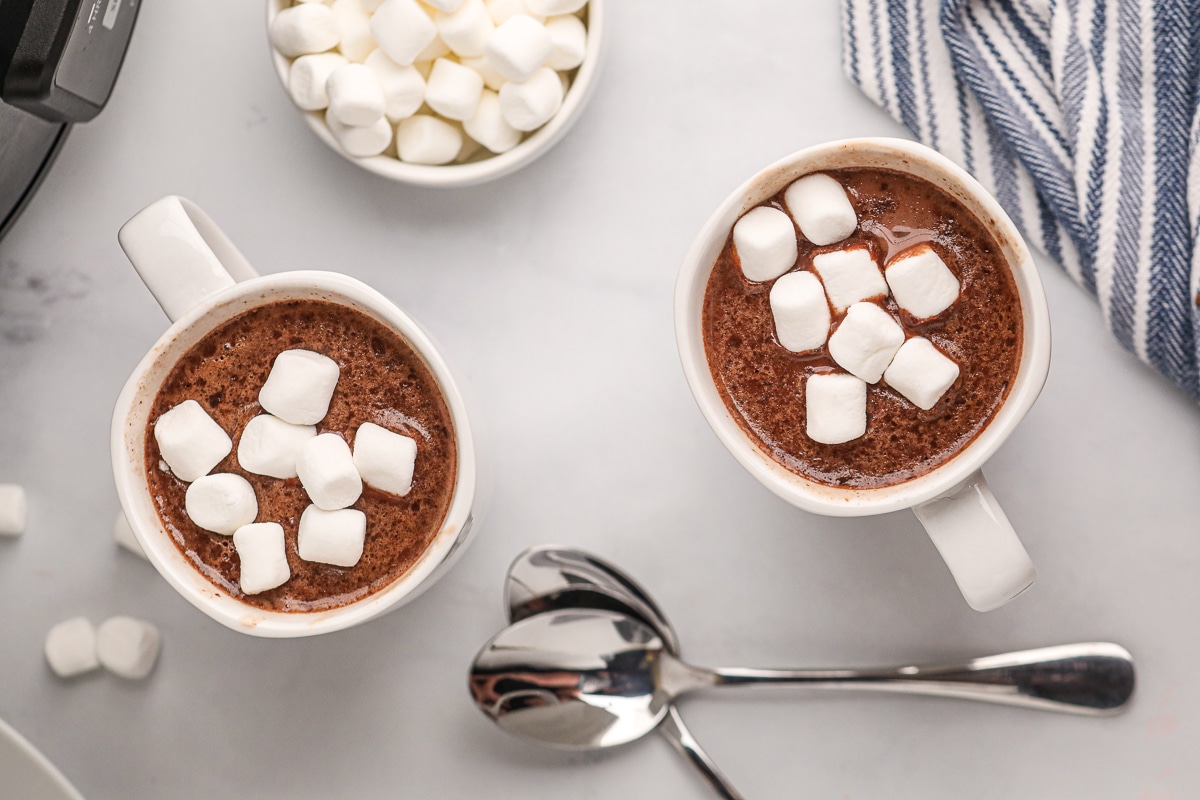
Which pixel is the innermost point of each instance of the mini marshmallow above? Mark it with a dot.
(821, 208)
(331, 537)
(360, 141)
(433, 51)
(518, 47)
(801, 311)
(303, 29)
(261, 549)
(355, 95)
(13, 509)
(444, 5)
(488, 126)
(866, 341)
(190, 441)
(385, 459)
(835, 408)
(921, 282)
(123, 535)
(221, 503)
(354, 28)
(71, 647)
(327, 472)
(403, 29)
(552, 8)
(765, 242)
(491, 79)
(127, 647)
(850, 276)
(269, 446)
(502, 11)
(370, 6)
(403, 86)
(466, 29)
(307, 77)
(530, 104)
(921, 372)
(568, 39)
(299, 387)
(453, 90)
(425, 139)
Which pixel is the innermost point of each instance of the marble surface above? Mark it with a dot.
(550, 292)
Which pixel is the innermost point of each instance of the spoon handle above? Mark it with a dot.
(1094, 678)
(677, 734)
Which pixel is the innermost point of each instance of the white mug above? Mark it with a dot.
(202, 281)
(953, 501)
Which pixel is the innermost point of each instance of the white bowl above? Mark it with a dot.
(489, 167)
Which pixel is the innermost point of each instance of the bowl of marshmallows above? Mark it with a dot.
(437, 92)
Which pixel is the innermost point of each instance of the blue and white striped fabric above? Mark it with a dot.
(1081, 117)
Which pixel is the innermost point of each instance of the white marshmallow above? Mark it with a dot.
(327, 472)
(361, 141)
(568, 39)
(502, 11)
(307, 28)
(355, 95)
(13, 509)
(370, 6)
(354, 29)
(221, 503)
(385, 459)
(821, 208)
(551, 8)
(71, 647)
(453, 90)
(765, 242)
(127, 647)
(491, 79)
(866, 341)
(835, 408)
(261, 549)
(425, 139)
(123, 535)
(530, 104)
(403, 87)
(307, 77)
(402, 28)
(921, 372)
(850, 276)
(921, 282)
(801, 311)
(444, 5)
(466, 29)
(433, 51)
(190, 441)
(518, 47)
(299, 387)
(331, 537)
(269, 446)
(488, 126)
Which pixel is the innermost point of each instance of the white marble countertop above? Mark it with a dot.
(550, 292)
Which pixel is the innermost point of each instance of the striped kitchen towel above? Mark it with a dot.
(1081, 117)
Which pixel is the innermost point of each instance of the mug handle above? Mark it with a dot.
(181, 254)
(978, 544)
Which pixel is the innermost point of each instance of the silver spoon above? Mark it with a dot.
(593, 678)
(548, 578)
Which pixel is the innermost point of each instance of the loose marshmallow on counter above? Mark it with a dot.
(299, 387)
(331, 537)
(385, 459)
(568, 38)
(865, 342)
(403, 87)
(835, 407)
(190, 441)
(551, 8)
(355, 95)
(354, 27)
(850, 276)
(518, 47)
(71, 647)
(221, 503)
(127, 647)
(327, 472)
(402, 29)
(453, 90)
(361, 141)
(308, 28)
(801, 311)
(262, 551)
(921, 372)
(921, 282)
(530, 104)
(123, 535)
(466, 29)
(765, 242)
(488, 126)
(425, 139)
(502, 11)
(307, 77)
(269, 446)
(13, 509)
(821, 208)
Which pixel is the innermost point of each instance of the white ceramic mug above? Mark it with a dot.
(201, 281)
(953, 501)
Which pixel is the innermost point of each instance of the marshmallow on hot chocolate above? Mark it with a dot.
(568, 39)
(360, 141)
(269, 446)
(921, 372)
(488, 126)
(123, 535)
(385, 459)
(355, 95)
(12, 509)
(530, 104)
(307, 77)
(127, 647)
(821, 209)
(518, 47)
(354, 28)
(263, 555)
(308, 28)
(402, 29)
(800, 310)
(403, 86)
(466, 29)
(835, 407)
(865, 342)
(453, 90)
(327, 472)
(331, 537)
(921, 282)
(221, 503)
(425, 139)
(850, 275)
(70, 647)
(765, 242)
(190, 441)
(299, 387)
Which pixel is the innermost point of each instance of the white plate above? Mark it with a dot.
(25, 773)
